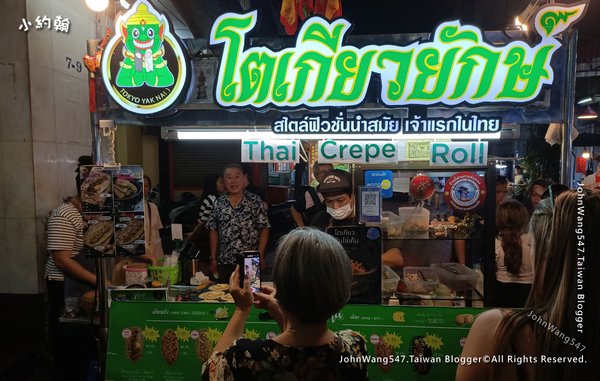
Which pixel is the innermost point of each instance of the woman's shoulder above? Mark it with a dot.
(247, 344)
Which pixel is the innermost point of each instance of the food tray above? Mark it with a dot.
(420, 280)
(456, 276)
(389, 280)
(414, 219)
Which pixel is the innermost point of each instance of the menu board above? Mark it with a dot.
(113, 210)
(152, 341)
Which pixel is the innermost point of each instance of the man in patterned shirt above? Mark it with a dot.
(238, 222)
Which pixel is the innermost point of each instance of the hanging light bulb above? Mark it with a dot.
(586, 154)
(97, 5)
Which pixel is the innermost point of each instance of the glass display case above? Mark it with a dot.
(437, 232)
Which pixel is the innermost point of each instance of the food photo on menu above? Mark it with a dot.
(96, 190)
(128, 189)
(129, 232)
(98, 238)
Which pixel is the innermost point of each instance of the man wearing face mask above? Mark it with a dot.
(336, 189)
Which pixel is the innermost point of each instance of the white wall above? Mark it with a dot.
(45, 126)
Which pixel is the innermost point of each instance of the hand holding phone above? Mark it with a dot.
(249, 262)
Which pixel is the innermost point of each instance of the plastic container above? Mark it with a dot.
(164, 273)
(389, 280)
(391, 225)
(420, 280)
(414, 219)
(456, 276)
(135, 273)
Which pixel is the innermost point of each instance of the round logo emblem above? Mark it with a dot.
(465, 191)
(386, 184)
(374, 339)
(373, 233)
(143, 66)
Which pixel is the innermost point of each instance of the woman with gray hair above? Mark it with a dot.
(312, 275)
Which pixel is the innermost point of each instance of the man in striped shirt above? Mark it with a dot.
(64, 243)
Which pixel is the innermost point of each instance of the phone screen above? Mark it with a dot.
(250, 268)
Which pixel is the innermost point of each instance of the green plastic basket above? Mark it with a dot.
(163, 273)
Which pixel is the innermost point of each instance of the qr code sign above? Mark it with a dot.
(370, 199)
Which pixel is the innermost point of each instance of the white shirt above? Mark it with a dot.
(527, 263)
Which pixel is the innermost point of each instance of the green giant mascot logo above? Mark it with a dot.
(144, 68)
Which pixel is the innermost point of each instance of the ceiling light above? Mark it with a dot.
(586, 154)
(584, 101)
(588, 113)
(97, 5)
(124, 4)
(240, 133)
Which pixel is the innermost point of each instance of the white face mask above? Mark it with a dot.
(341, 213)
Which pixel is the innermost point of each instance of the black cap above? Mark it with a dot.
(336, 181)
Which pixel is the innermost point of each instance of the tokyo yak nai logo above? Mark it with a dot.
(144, 68)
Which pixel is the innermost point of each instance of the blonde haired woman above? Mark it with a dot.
(558, 329)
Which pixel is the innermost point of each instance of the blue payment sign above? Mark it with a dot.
(380, 179)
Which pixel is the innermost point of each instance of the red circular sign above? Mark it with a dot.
(421, 187)
(465, 191)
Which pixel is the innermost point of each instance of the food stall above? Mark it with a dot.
(410, 117)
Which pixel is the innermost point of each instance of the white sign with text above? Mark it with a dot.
(270, 151)
(456, 154)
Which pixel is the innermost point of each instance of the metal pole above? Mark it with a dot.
(92, 46)
(566, 162)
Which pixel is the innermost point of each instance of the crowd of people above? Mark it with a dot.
(536, 250)
(569, 257)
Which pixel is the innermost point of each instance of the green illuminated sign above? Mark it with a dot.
(456, 66)
(143, 66)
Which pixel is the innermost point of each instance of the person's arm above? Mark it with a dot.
(265, 299)
(263, 239)
(193, 236)
(243, 303)
(460, 250)
(69, 266)
(297, 216)
(393, 258)
(480, 342)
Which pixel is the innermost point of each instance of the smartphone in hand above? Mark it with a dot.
(249, 262)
